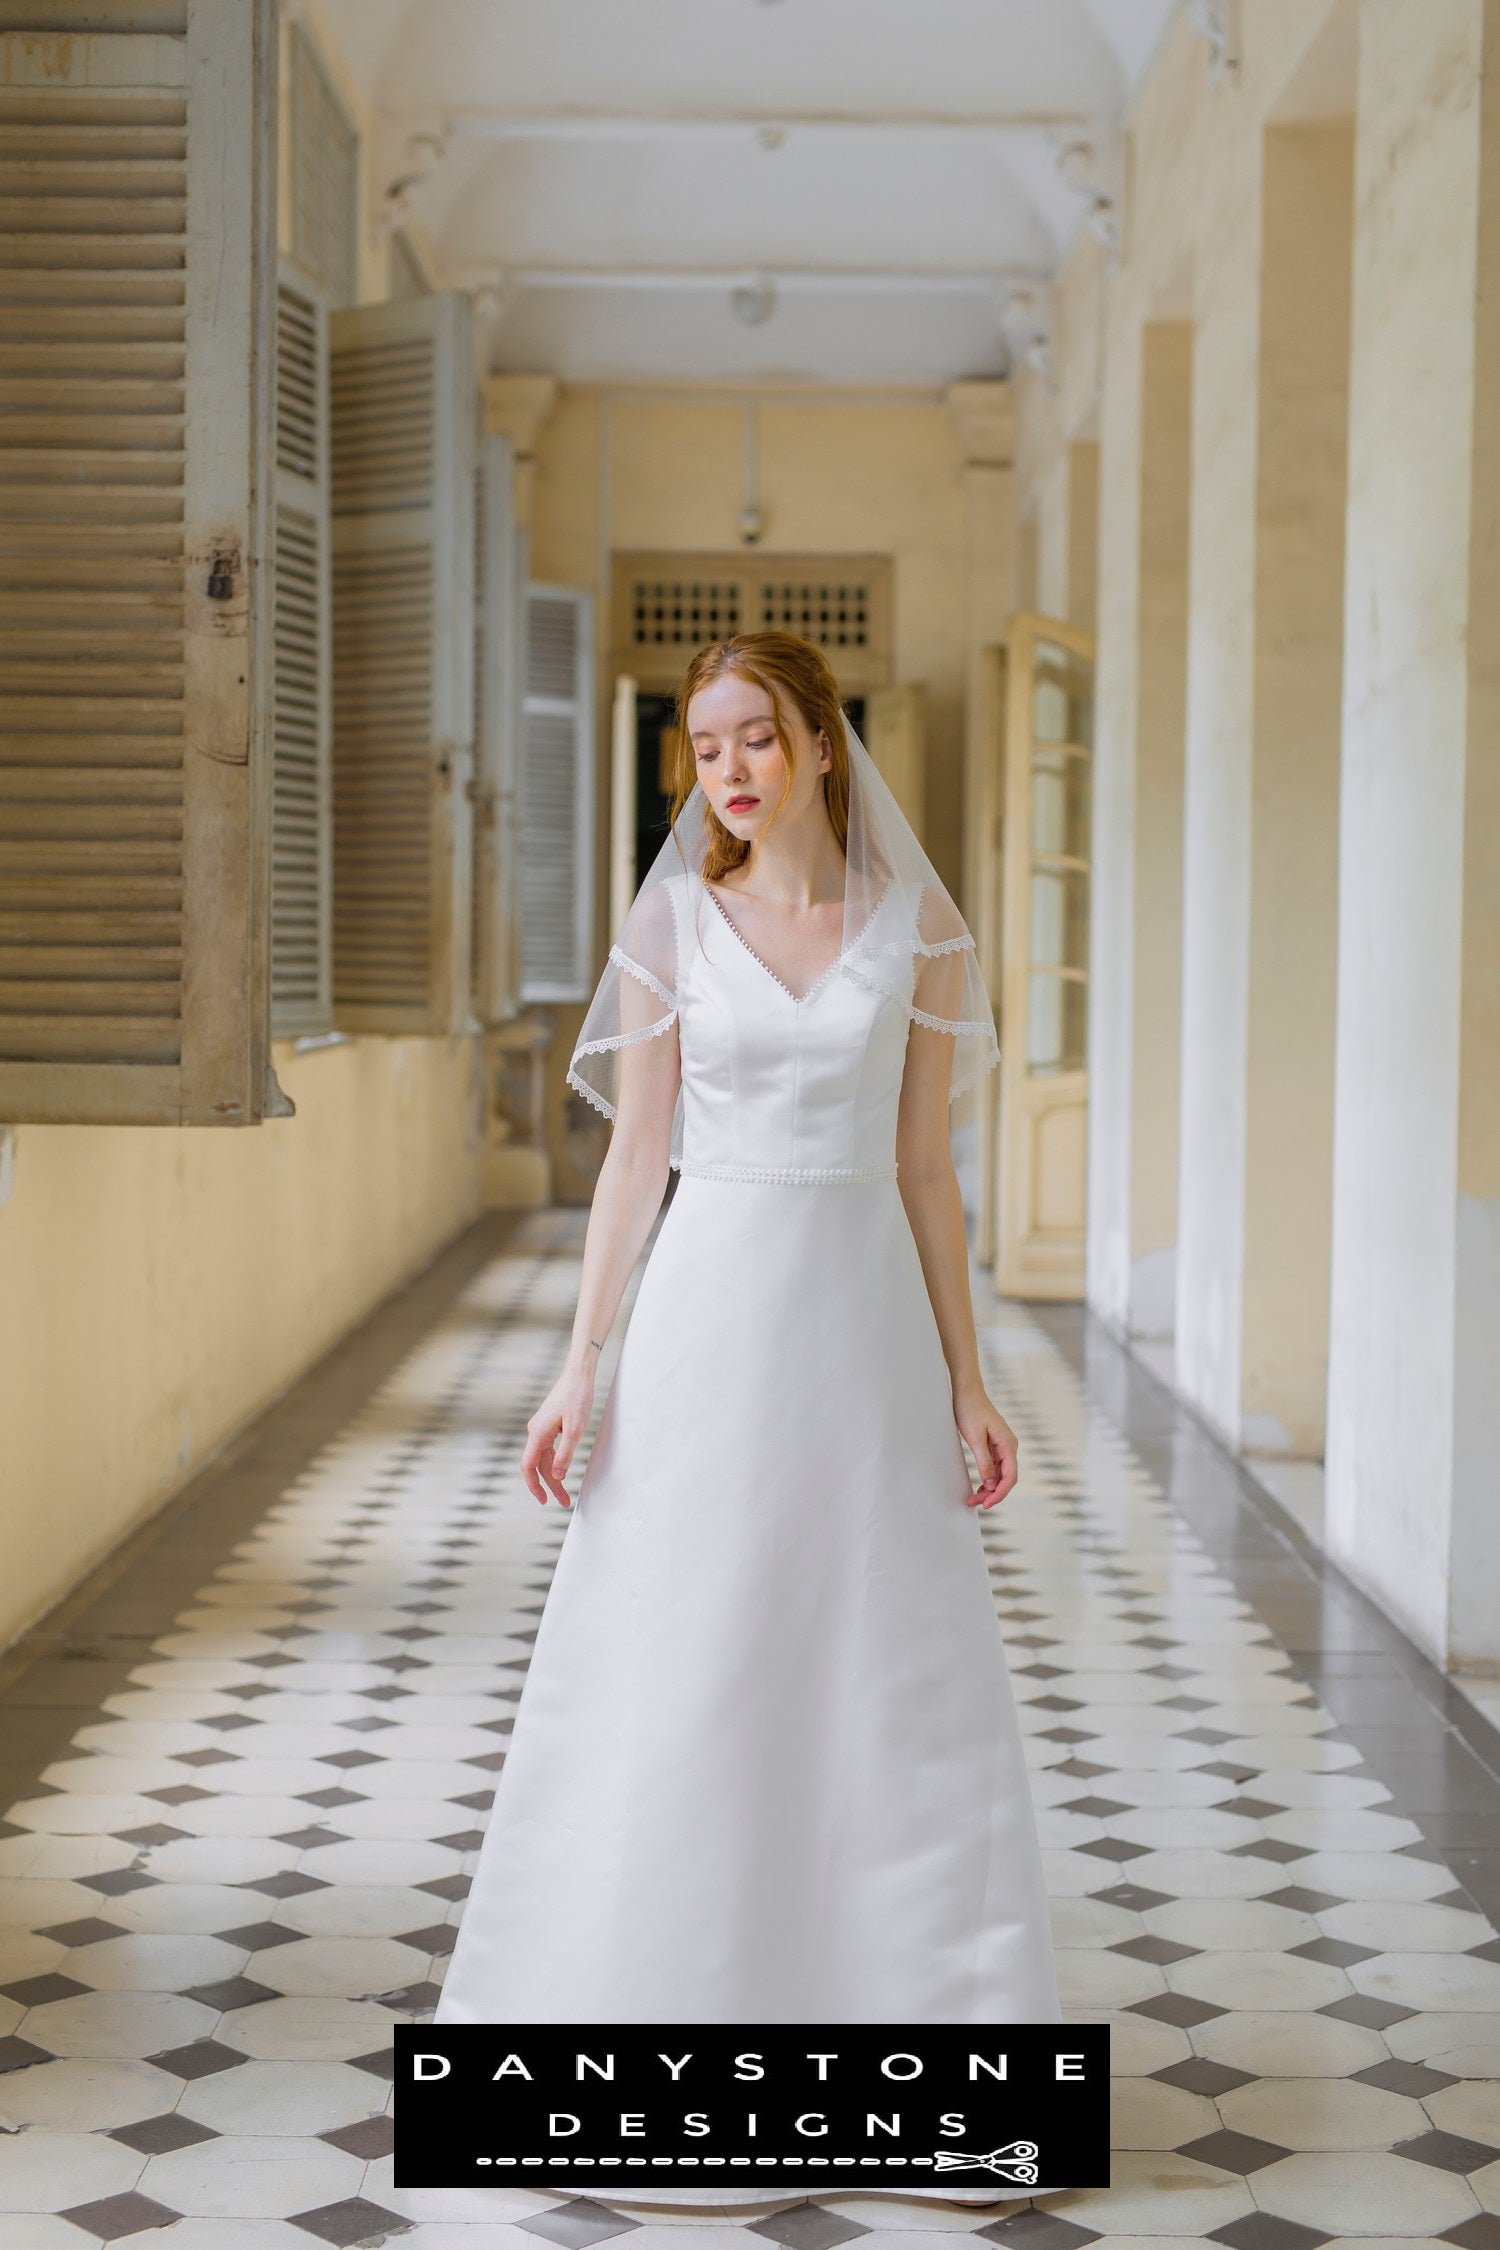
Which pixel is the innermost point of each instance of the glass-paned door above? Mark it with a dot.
(1045, 853)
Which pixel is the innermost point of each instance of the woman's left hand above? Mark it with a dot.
(992, 1441)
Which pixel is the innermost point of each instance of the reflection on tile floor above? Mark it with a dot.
(260, 1764)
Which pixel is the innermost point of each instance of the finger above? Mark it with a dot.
(529, 1475)
(562, 1451)
(1005, 1481)
(553, 1480)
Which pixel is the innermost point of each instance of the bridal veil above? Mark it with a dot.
(902, 935)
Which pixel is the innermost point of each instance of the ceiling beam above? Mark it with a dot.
(935, 280)
(627, 125)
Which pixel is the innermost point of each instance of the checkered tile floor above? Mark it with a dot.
(251, 1779)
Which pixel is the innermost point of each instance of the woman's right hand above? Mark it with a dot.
(553, 1432)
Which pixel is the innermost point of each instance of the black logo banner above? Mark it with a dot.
(1018, 2109)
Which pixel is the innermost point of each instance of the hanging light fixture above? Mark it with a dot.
(753, 302)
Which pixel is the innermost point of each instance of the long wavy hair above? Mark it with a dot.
(792, 671)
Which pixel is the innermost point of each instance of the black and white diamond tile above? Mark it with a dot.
(238, 1871)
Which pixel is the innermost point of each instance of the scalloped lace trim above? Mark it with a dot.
(786, 1175)
(642, 976)
(959, 1030)
(964, 944)
(609, 1047)
(582, 1086)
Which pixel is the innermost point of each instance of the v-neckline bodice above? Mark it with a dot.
(798, 1000)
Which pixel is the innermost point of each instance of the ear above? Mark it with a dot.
(825, 752)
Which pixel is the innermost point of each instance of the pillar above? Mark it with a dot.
(1301, 493)
(1414, 1400)
(983, 414)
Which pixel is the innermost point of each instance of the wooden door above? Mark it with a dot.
(989, 815)
(895, 736)
(624, 875)
(1045, 860)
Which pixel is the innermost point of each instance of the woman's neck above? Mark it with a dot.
(795, 866)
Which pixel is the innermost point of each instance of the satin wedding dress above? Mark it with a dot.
(766, 1766)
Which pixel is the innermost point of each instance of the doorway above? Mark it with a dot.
(655, 751)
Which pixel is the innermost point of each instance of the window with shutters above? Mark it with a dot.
(301, 864)
(557, 797)
(138, 263)
(324, 177)
(667, 605)
(404, 414)
(499, 581)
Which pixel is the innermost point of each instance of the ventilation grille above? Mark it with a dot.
(382, 787)
(383, 425)
(325, 179)
(92, 285)
(836, 615)
(685, 613)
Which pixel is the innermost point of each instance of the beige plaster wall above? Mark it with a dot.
(159, 1287)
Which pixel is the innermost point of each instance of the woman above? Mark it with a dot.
(767, 1767)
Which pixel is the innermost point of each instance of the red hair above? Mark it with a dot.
(792, 671)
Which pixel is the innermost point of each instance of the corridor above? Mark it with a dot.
(248, 1767)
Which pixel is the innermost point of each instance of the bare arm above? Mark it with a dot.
(934, 1208)
(628, 1196)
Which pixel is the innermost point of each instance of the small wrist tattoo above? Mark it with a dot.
(595, 1344)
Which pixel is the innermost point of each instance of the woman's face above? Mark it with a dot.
(740, 761)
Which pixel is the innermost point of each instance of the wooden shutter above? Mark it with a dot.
(136, 270)
(557, 797)
(301, 856)
(497, 702)
(324, 173)
(404, 412)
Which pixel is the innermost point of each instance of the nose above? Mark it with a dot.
(735, 767)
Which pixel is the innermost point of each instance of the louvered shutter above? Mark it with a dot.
(136, 267)
(404, 414)
(557, 797)
(323, 176)
(496, 715)
(301, 856)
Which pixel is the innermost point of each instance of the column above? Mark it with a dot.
(1414, 1399)
(1301, 494)
(983, 414)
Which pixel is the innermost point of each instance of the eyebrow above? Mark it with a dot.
(706, 734)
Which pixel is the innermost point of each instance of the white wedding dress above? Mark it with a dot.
(766, 1767)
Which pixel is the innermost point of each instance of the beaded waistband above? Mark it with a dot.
(787, 1175)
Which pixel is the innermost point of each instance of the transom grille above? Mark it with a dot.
(666, 605)
(836, 614)
(678, 614)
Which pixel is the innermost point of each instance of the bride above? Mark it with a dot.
(766, 1767)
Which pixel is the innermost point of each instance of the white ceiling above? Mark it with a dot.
(618, 166)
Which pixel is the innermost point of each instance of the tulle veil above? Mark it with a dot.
(902, 935)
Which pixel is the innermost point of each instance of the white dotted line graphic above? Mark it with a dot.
(686, 2160)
